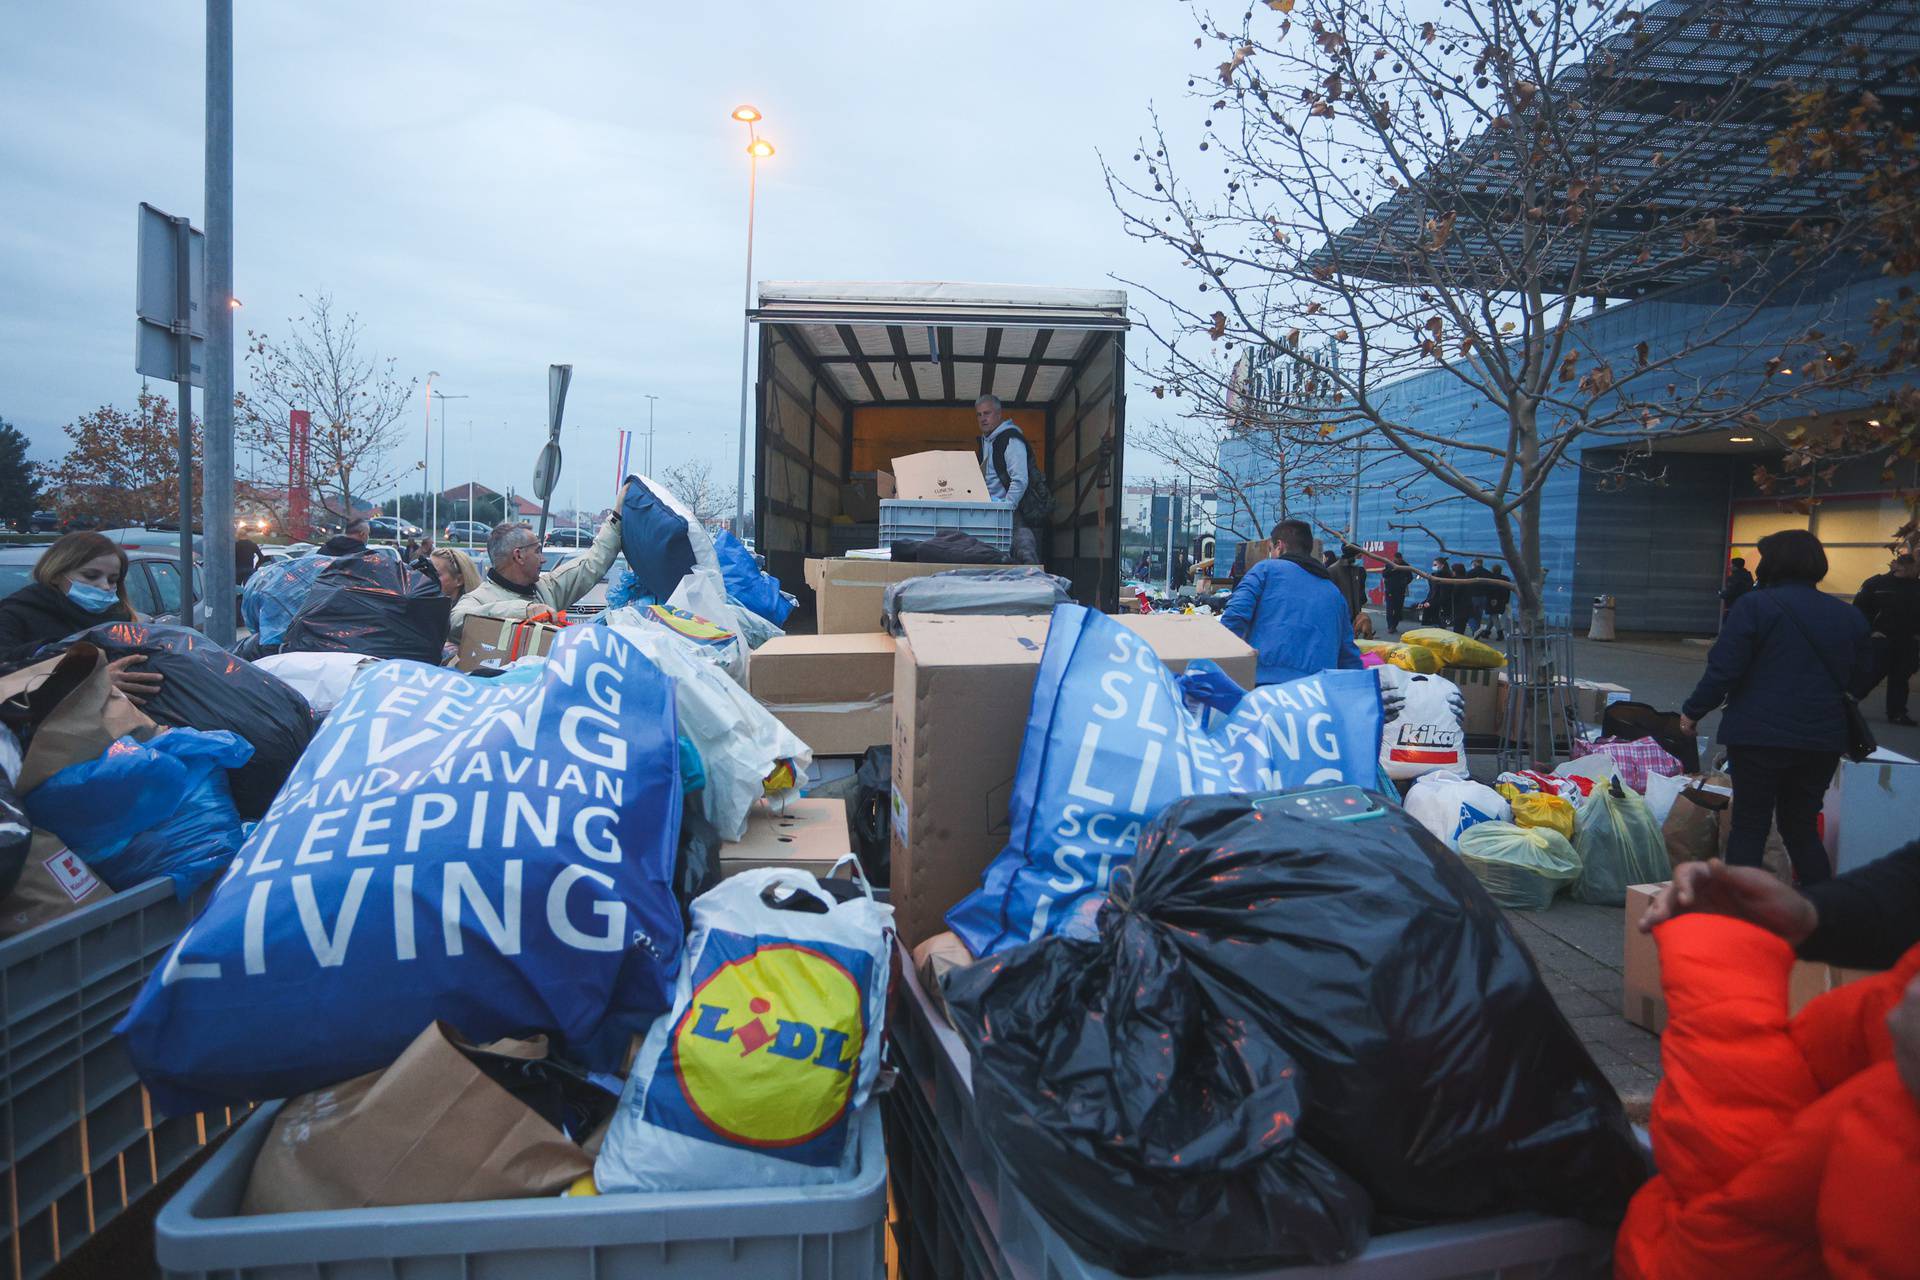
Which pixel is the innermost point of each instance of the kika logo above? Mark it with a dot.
(767, 1049)
(690, 625)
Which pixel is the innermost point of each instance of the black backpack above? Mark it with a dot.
(1036, 504)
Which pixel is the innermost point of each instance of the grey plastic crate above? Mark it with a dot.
(834, 1232)
(905, 521)
(941, 1155)
(79, 1136)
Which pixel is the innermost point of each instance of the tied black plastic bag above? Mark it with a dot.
(1438, 1070)
(1152, 1132)
(205, 687)
(975, 591)
(371, 604)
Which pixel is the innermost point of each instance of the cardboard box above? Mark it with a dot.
(939, 475)
(1484, 691)
(848, 593)
(1642, 1002)
(962, 690)
(834, 691)
(1591, 698)
(501, 640)
(1870, 808)
(812, 835)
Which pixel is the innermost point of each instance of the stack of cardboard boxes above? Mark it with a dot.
(951, 696)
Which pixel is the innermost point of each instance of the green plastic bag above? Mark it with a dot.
(1619, 844)
(1521, 867)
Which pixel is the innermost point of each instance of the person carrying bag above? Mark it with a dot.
(1787, 664)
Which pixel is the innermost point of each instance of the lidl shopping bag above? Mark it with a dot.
(755, 1077)
(1110, 742)
(497, 854)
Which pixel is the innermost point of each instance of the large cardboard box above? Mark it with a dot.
(848, 593)
(938, 475)
(1642, 1002)
(812, 835)
(962, 689)
(834, 691)
(501, 640)
(1484, 691)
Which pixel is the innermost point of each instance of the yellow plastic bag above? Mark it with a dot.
(1455, 650)
(1407, 657)
(1538, 809)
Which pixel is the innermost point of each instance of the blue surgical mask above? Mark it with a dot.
(92, 599)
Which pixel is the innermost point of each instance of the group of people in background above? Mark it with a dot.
(1469, 598)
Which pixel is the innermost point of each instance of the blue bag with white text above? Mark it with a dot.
(1111, 742)
(495, 854)
(747, 582)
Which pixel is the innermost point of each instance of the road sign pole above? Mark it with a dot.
(217, 475)
(183, 308)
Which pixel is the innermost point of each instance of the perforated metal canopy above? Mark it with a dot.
(1704, 79)
(936, 341)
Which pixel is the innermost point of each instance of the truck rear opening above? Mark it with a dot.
(855, 375)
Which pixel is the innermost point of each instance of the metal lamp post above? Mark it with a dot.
(433, 525)
(758, 149)
(651, 401)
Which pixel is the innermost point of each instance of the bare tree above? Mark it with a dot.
(710, 500)
(1453, 190)
(355, 399)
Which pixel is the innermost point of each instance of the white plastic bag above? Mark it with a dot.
(321, 678)
(1447, 803)
(756, 1077)
(747, 753)
(1662, 791)
(1422, 732)
(711, 640)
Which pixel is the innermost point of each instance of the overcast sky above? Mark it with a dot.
(496, 184)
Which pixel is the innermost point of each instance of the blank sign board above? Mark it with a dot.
(157, 296)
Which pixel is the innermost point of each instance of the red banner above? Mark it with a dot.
(299, 423)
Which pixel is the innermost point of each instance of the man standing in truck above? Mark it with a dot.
(1007, 459)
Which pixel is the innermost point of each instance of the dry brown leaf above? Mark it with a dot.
(1569, 367)
(1218, 329)
(1280, 6)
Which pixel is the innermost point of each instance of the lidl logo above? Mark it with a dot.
(690, 625)
(768, 1048)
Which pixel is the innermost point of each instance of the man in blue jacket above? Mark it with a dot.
(1290, 611)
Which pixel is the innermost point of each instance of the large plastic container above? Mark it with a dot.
(80, 1139)
(961, 1214)
(902, 520)
(831, 1232)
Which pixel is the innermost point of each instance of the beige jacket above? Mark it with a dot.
(555, 589)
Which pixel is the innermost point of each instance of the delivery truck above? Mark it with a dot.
(853, 376)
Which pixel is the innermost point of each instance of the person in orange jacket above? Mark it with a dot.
(1785, 1147)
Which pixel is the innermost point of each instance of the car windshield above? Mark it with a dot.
(13, 577)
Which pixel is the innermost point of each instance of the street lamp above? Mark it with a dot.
(651, 400)
(433, 525)
(426, 456)
(758, 149)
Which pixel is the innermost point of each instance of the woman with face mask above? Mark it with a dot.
(77, 584)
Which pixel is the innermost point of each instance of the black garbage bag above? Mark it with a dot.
(371, 604)
(871, 816)
(1023, 590)
(1151, 1132)
(206, 687)
(1437, 1068)
(949, 546)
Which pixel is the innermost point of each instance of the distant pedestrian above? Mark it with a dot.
(1351, 577)
(1395, 580)
(1498, 599)
(1891, 603)
(1737, 584)
(351, 540)
(246, 558)
(1459, 599)
(1785, 657)
(1477, 596)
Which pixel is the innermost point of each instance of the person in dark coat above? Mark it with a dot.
(350, 541)
(1395, 580)
(1498, 599)
(1890, 602)
(1784, 659)
(78, 583)
(1459, 599)
(1738, 583)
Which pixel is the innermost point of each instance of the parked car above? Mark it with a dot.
(472, 531)
(394, 529)
(570, 537)
(153, 582)
(44, 522)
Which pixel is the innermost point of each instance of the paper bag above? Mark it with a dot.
(80, 714)
(933, 960)
(433, 1128)
(1692, 828)
(53, 882)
